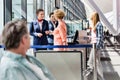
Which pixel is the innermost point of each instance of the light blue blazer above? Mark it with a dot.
(15, 67)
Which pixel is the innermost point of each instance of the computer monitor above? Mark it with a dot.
(75, 38)
(80, 37)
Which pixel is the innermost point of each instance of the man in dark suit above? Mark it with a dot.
(52, 25)
(39, 29)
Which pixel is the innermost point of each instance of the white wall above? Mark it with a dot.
(1, 19)
(1, 16)
(116, 15)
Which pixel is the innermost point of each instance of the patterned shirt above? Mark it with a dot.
(100, 36)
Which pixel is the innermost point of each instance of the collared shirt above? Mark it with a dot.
(16, 67)
(40, 24)
(100, 36)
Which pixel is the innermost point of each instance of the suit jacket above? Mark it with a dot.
(35, 28)
(50, 37)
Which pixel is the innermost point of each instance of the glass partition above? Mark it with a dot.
(63, 65)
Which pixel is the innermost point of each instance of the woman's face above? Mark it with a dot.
(55, 17)
(91, 18)
(40, 15)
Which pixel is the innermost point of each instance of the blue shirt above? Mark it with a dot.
(50, 36)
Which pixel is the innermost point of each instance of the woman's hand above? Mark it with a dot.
(51, 32)
(39, 34)
(64, 43)
(47, 32)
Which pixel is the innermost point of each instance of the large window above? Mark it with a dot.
(30, 10)
(16, 9)
(18, 12)
(57, 3)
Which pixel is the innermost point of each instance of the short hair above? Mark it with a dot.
(59, 13)
(13, 32)
(51, 14)
(39, 10)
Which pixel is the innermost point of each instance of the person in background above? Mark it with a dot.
(52, 25)
(39, 29)
(15, 63)
(97, 39)
(60, 33)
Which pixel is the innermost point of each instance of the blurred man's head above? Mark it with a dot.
(15, 36)
(51, 16)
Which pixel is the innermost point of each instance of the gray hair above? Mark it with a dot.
(13, 32)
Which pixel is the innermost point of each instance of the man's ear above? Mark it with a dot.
(23, 40)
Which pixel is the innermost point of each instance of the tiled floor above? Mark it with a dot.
(111, 67)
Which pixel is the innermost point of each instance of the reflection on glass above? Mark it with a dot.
(29, 10)
(16, 9)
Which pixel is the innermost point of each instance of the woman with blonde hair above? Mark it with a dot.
(97, 39)
(97, 31)
(60, 33)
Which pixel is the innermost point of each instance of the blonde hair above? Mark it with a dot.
(59, 13)
(95, 18)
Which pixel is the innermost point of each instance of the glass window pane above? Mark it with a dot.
(16, 9)
(29, 10)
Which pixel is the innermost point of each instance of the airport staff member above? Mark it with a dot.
(39, 29)
(52, 25)
(15, 63)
